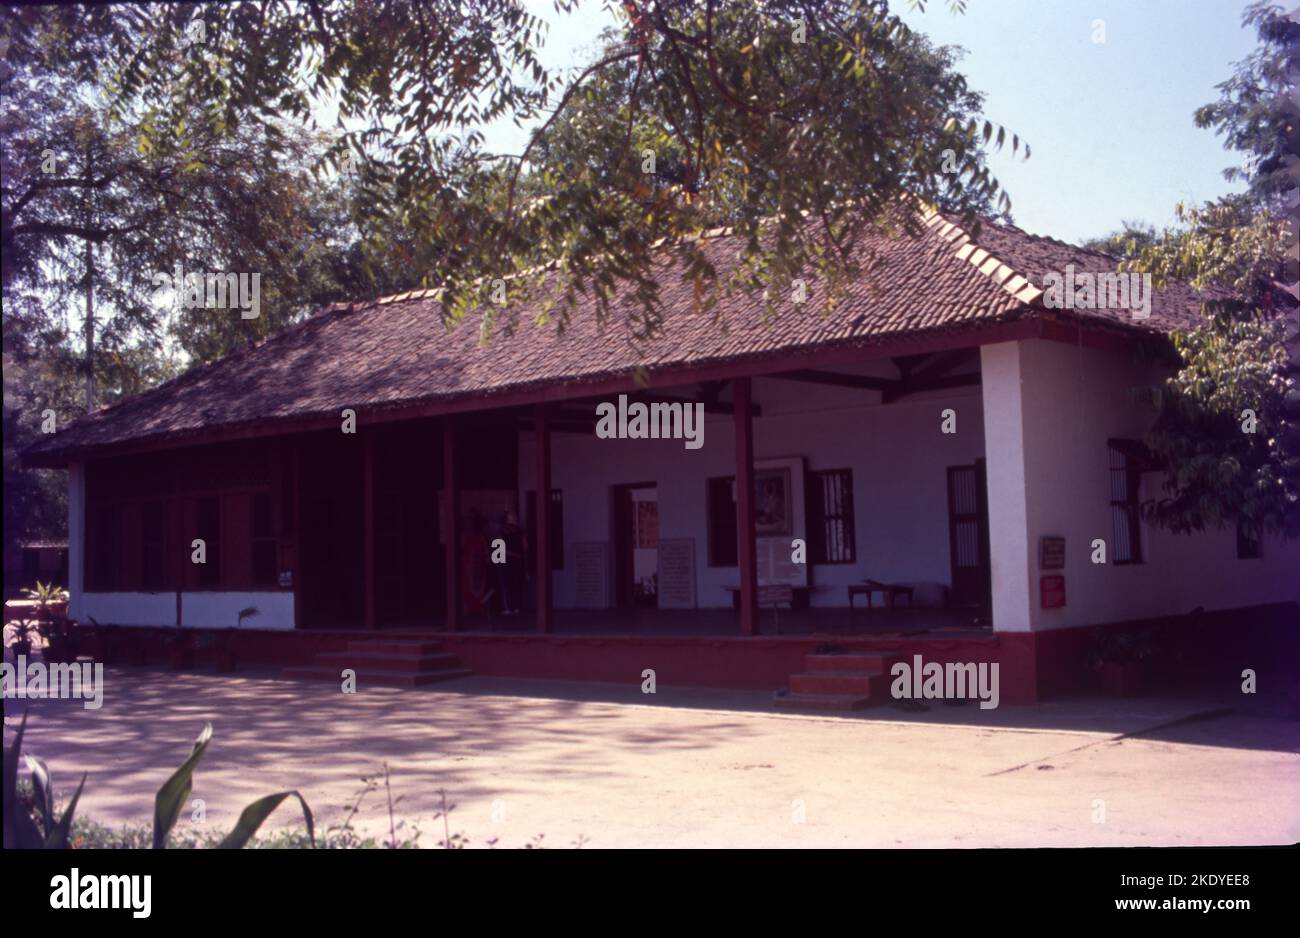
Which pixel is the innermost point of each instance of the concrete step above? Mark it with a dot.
(873, 686)
(841, 702)
(396, 647)
(378, 661)
(381, 677)
(867, 662)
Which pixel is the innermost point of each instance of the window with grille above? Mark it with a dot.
(1125, 479)
(831, 537)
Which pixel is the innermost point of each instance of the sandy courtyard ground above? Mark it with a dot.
(685, 768)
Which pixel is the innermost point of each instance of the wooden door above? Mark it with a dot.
(968, 537)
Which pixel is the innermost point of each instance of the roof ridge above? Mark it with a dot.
(986, 262)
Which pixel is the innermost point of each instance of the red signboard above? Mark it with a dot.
(1052, 591)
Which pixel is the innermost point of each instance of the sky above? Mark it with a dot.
(1109, 123)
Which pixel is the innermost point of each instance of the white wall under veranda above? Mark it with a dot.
(897, 454)
(1049, 410)
(215, 609)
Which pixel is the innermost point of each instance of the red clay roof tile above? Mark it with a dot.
(398, 351)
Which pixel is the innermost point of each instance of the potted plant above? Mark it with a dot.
(22, 630)
(1122, 659)
(50, 620)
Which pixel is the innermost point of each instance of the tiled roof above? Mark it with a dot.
(397, 351)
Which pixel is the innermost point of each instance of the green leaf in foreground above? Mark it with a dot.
(174, 792)
(252, 817)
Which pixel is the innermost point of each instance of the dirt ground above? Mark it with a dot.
(686, 768)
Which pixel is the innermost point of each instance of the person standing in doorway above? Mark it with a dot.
(510, 574)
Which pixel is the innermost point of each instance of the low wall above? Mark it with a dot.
(195, 609)
(1206, 652)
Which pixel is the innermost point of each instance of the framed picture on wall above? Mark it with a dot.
(773, 503)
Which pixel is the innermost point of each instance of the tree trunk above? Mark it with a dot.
(90, 327)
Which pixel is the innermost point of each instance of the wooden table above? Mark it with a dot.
(891, 590)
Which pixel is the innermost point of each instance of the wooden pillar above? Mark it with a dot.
(542, 553)
(368, 527)
(295, 534)
(747, 556)
(451, 523)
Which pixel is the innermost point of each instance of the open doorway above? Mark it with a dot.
(968, 537)
(636, 545)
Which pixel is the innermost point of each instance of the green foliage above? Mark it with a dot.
(1257, 112)
(21, 830)
(86, 833)
(93, 204)
(35, 503)
(1127, 242)
(44, 595)
(736, 99)
(30, 809)
(251, 818)
(1228, 423)
(172, 796)
(1226, 430)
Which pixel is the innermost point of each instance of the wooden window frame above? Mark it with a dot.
(1126, 453)
(819, 521)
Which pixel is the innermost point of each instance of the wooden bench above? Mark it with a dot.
(891, 590)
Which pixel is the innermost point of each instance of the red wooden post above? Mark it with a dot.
(368, 537)
(542, 437)
(747, 555)
(295, 535)
(451, 523)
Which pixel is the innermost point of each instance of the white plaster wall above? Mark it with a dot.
(897, 453)
(129, 608)
(1072, 400)
(221, 610)
(198, 610)
(1004, 434)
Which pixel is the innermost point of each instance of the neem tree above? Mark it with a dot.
(1228, 425)
(797, 122)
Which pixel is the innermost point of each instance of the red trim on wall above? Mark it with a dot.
(1033, 666)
